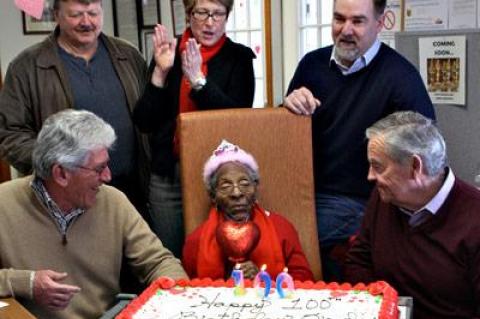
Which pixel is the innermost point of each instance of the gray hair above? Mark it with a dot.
(67, 138)
(409, 133)
(211, 183)
(56, 3)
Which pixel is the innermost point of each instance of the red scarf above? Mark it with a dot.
(211, 261)
(185, 102)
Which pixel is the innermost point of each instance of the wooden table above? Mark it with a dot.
(14, 310)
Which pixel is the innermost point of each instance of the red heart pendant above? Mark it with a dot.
(237, 240)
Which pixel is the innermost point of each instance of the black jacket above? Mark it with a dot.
(230, 84)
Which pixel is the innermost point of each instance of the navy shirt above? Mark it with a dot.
(97, 88)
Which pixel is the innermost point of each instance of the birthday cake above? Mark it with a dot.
(207, 299)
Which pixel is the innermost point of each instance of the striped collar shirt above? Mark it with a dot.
(63, 220)
(360, 62)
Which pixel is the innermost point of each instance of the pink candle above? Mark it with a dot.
(285, 277)
(265, 277)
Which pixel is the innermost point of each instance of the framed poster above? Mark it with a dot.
(125, 23)
(132, 19)
(178, 17)
(150, 13)
(442, 67)
(45, 24)
(147, 44)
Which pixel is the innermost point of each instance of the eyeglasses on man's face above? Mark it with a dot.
(203, 15)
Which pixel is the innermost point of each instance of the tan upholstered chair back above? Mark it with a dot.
(281, 144)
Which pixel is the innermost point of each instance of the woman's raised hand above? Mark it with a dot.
(192, 61)
(163, 53)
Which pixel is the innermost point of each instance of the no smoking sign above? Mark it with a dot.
(390, 20)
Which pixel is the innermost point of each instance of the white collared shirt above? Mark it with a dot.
(433, 206)
(360, 62)
(437, 201)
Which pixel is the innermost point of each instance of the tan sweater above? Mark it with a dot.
(92, 256)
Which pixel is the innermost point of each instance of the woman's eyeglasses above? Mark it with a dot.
(227, 188)
(203, 15)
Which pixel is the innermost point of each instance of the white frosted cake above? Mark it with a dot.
(201, 300)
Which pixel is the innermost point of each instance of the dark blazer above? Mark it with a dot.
(230, 84)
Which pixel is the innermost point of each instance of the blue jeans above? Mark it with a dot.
(338, 218)
(166, 211)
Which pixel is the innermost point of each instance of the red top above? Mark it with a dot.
(289, 245)
(437, 263)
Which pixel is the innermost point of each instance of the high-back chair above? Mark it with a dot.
(279, 141)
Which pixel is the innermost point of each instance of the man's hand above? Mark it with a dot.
(249, 269)
(301, 101)
(49, 292)
(163, 53)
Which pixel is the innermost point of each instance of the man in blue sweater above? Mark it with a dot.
(346, 88)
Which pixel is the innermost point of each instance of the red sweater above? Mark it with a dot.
(437, 262)
(295, 259)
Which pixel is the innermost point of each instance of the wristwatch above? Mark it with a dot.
(199, 83)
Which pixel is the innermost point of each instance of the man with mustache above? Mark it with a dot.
(346, 88)
(77, 67)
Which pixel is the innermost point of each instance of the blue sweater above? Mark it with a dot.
(350, 104)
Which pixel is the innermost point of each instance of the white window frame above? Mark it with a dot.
(258, 100)
(292, 35)
(320, 26)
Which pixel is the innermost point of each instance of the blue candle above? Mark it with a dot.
(265, 277)
(237, 275)
(281, 278)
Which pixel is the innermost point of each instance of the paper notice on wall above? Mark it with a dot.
(426, 15)
(442, 67)
(462, 14)
(392, 22)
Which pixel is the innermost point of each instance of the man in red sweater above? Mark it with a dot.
(421, 227)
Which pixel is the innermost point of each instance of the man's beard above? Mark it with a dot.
(344, 54)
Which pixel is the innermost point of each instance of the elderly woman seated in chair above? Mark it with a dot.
(238, 230)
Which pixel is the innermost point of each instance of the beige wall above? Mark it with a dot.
(290, 39)
(12, 39)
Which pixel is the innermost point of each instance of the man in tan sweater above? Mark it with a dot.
(63, 233)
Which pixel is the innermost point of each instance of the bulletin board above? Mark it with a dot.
(460, 125)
